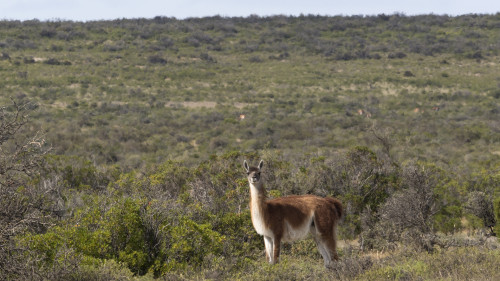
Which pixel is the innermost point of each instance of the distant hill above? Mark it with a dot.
(134, 91)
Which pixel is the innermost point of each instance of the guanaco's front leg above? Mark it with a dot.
(268, 242)
(276, 250)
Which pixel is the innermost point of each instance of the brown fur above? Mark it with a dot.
(285, 218)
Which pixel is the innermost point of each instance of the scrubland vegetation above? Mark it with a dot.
(122, 143)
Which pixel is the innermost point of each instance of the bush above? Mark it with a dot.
(481, 206)
(496, 204)
(127, 242)
(27, 203)
(206, 57)
(156, 59)
(202, 242)
(408, 214)
(5, 56)
(397, 55)
(448, 219)
(409, 74)
(363, 182)
(53, 61)
(105, 270)
(241, 240)
(255, 59)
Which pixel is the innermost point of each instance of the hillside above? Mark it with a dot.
(146, 123)
(134, 91)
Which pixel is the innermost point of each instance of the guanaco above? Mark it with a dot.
(292, 217)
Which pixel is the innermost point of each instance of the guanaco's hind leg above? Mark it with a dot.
(323, 250)
(331, 244)
(324, 236)
(327, 248)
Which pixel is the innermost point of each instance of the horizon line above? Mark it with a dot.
(401, 14)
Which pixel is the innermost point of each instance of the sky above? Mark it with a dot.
(88, 10)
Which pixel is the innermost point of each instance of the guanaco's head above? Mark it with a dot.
(253, 173)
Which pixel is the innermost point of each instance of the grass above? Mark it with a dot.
(463, 263)
(467, 263)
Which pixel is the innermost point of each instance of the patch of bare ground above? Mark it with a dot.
(192, 104)
(205, 104)
(241, 105)
(59, 104)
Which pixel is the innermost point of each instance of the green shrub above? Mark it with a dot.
(448, 219)
(45, 245)
(192, 243)
(115, 234)
(241, 240)
(127, 239)
(104, 270)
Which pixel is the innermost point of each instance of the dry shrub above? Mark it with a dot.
(407, 215)
(481, 206)
(25, 203)
(465, 263)
(349, 268)
(25, 264)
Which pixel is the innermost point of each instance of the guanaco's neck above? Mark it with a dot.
(258, 196)
(258, 208)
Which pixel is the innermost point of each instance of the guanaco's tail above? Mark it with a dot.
(338, 206)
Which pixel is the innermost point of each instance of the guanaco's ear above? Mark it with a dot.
(261, 163)
(245, 164)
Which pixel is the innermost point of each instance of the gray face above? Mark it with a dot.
(253, 175)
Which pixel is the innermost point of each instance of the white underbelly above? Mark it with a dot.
(291, 233)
